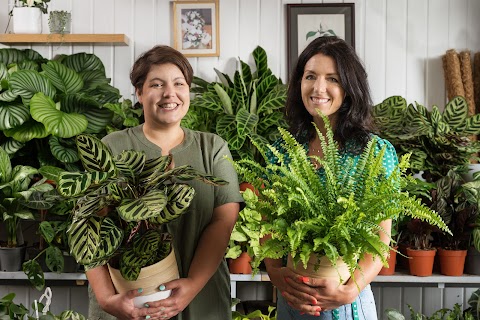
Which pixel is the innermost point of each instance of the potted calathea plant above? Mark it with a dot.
(328, 221)
(122, 206)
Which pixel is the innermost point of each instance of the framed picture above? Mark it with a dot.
(195, 28)
(306, 22)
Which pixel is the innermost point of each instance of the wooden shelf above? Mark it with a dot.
(120, 39)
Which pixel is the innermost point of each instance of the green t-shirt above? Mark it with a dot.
(205, 152)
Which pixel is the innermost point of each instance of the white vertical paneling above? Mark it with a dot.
(360, 13)
(82, 22)
(104, 22)
(473, 25)
(375, 47)
(389, 299)
(417, 39)
(437, 45)
(457, 24)
(123, 55)
(144, 35)
(451, 296)
(412, 297)
(270, 34)
(229, 30)
(78, 297)
(432, 300)
(248, 36)
(396, 42)
(163, 26)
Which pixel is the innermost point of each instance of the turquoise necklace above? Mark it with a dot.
(336, 313)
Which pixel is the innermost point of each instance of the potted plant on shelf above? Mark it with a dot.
(27, 15)
(456, 202)
(247, 107)
(331, 221)
(16, 187)
(59, 21)
(244, 242)
(122, 206)
(438, 141)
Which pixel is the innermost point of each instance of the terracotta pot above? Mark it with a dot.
(452, 261)
(149, 280)
(324, 269)
(245, 185)
(392, 259)
(240, 265)
(421, 262)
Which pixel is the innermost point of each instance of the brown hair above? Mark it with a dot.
(155, 56)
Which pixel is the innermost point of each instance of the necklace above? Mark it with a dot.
(312, 149)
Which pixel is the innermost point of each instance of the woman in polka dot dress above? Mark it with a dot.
(330, 77)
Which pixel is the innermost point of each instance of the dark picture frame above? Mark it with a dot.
(306, 22)
(188, 18)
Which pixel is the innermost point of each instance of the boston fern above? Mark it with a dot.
(334, 214)
(122, 204)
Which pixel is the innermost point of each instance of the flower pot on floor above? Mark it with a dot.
(324, 269)
(240, 265)
(392, 259)
(472, 261)
(27, 20)
(452, 261)
(11, 259)
(421, 262)
(149, 280)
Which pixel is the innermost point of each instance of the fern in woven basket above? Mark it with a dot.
(335, 213)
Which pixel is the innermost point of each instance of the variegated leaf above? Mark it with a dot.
(455, 113)
(148, 244)
(153, 167)
(63, 78)
(227, 129)
(143, 208)
(26, 83)
(72, 184)
(13, 115)
(131, 259)
(95, 155)
(27, 131)
(130, 163)
(246, 122)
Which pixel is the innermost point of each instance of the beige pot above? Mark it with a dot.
(325, 269)
(149, 279)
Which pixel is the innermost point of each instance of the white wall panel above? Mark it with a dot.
(396, 43)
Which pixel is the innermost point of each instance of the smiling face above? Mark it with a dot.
(321, 88)
(165, 96)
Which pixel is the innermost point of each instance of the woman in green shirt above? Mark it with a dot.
(162, 77)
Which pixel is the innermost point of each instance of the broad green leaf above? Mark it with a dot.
(95, 155)
(63, 78)
(27, 83)
(13, 115)
(27, 131)
(246, 122)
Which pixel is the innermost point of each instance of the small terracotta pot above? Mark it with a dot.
(240, 265)
(421, 262)
(452, 261)
(392, 259)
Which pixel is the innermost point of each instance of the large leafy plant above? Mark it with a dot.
(16, 187)
(335, 213)
(44, 104)
(245, 235)
(439, 141)
(239, 110)
(122, 205)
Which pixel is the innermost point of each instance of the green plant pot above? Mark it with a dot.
(11, 259)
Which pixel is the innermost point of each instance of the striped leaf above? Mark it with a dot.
(130, 258)
(11, 55)
(130, 163)
(95, 155)
(179, 198)
(146, 207)
(265, 86)
(129, 273)
(274, 100)
(63, 78)
(93, 239)
(8, 96)
(227, 129)
(61, 151)
(58, 123)
(72, 184)
(13, 115)
(472, 125)
(261, 62)
(153, 167)
(26, 83)
(98, 118)
(27, 131)
(208, 101)
(455, 113)
(246, 122)
(224, 99)
(11, 146)
(148, 244)
(93, 78)
(81, 62)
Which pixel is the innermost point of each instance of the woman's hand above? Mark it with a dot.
(327, 294)
(122, 307)
(182, 294)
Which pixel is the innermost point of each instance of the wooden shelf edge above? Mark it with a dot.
(8, 38)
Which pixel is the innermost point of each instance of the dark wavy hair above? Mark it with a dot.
(155, 56)
(354, 120)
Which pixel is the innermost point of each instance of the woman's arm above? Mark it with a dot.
(208, 255)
